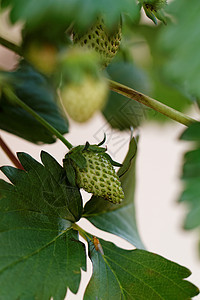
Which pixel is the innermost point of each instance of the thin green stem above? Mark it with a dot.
(150, 102)
(11, 95)
(10, 46)
(81, 231)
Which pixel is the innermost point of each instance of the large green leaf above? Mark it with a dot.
(181, 43)
(118, 218)
(42, 188)
(40, 256)
(35, 90)
(63, 12)
(191, 177)
(136, 274)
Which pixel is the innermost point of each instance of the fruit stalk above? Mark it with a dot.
(11, 95)
(81, 231)
(150, 102)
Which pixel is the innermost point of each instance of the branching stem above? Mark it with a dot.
(11, 95)
(150, 102)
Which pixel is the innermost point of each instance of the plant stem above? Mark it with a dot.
(150, 102)
(81, 231)
(10, 46)
(10, 154)
(11, 95)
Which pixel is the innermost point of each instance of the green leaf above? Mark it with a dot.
(181, 43)
(118, 219)
(192, 133)
(191, 177)
(35, 90)
(40, 256)
(136, 274)
(42, 188)
(63, 13)
(121, 112)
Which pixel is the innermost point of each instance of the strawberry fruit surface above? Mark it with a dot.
(99, 39)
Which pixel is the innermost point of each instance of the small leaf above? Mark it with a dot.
(136, 274)
(118, 219)
(43, 189)
(35, 90)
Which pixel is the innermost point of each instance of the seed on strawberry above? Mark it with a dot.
(99, 177)
(81, 100)
(100, 40)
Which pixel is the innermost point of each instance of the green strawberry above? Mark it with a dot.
(94, 172)
(100, 40)
(82, 99)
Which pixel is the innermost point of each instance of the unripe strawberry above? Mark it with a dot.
(99, 39)
(82, 99)
(99, 178)
(94, 172)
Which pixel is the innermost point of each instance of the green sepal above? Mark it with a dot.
(103, 141)
(160, 15)
(70, 172)
(155, 11)
(114, 163)
(96, 149)
(150, 14)
(76, 155)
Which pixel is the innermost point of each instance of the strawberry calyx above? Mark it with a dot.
(154, 9)
(91, 168)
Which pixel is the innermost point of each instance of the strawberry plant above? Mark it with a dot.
(75, 60)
